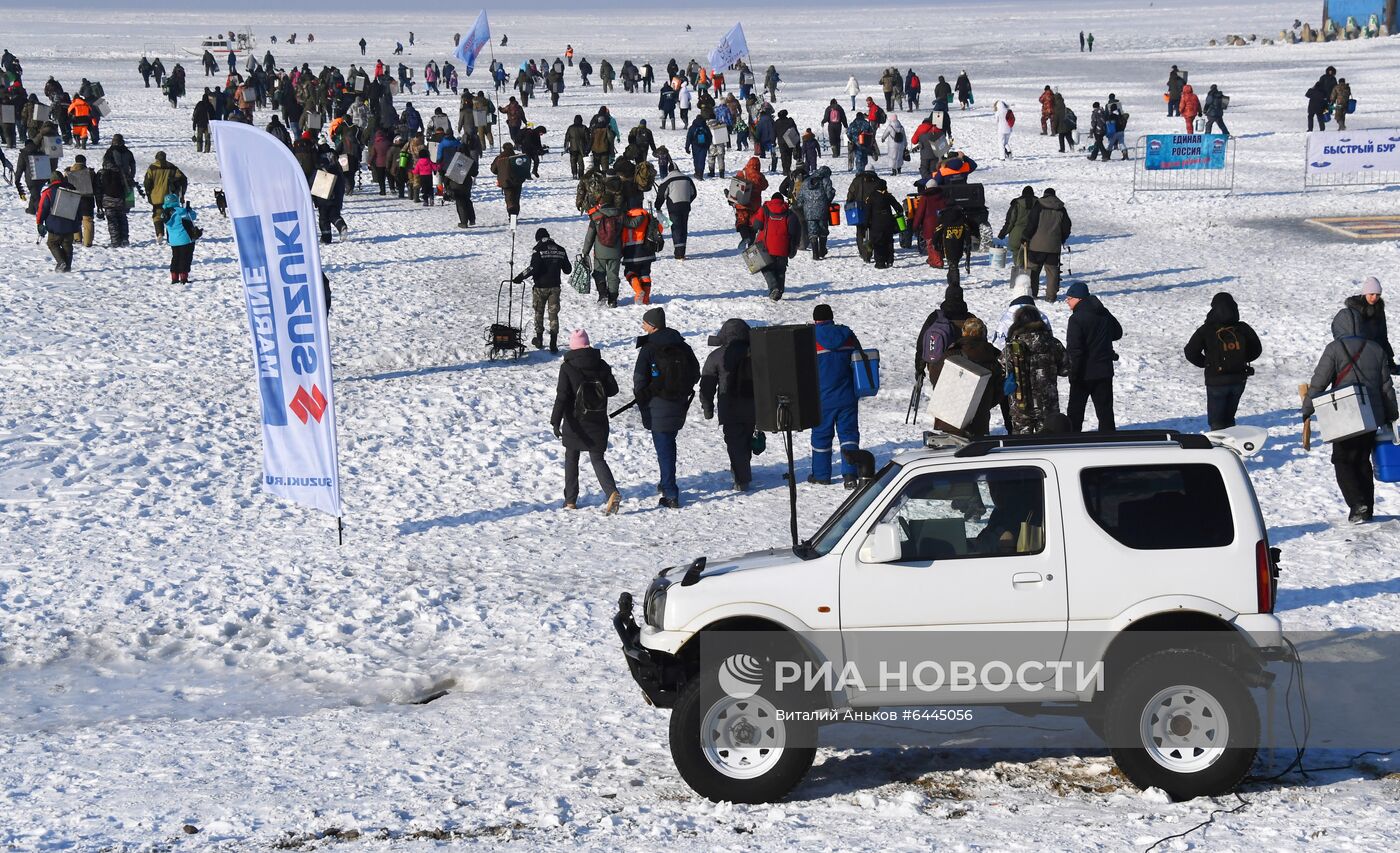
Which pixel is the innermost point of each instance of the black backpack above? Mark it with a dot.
(952, 216)
(590, 398)
(673, 373)
(1232, 358)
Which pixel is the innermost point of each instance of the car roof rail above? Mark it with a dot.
(939, 440)
(1186, 441)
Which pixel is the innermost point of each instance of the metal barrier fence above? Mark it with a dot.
(1351, 158)
(1202, 174)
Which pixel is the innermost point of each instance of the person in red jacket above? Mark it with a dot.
(925, 223)
(779, 236)
(1190, 107)
(1047, 110)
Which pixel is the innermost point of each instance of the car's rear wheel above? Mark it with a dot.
(738, 748)
(1184, 722)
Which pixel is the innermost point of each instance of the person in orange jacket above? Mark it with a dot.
(1047, 110)
(1190, 107)
(752, 173)
(80, 116)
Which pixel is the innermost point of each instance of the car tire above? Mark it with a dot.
(709, 728)
(1184, 722)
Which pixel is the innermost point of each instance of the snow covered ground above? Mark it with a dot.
(176, 648)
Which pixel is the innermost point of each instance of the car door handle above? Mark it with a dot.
(1027, 579)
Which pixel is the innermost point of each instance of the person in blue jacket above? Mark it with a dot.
(840, 408)
(411, 117)
(697, 145)
(765, 137)
(178, 219)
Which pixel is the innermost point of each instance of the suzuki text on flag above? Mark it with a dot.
(274, 228)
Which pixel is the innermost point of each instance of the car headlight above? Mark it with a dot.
(654, 605)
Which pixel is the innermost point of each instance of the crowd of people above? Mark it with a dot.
(351, 132)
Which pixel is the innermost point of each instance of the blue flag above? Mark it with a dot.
(472, 43)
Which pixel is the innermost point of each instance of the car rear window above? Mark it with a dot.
(1160, 507)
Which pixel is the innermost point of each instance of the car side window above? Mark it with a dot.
(1160, 507)
(998, 512)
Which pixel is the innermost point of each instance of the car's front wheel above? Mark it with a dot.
(738, 748)
(1184, 722)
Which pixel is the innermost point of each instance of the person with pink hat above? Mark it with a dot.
(1371, 323)
(580, 418)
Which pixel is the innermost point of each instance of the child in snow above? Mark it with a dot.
(420, 179)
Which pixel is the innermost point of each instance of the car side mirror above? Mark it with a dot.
(882, 545)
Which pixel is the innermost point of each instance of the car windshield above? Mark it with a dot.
(847, 514)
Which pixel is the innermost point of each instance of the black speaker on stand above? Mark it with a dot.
(787, 395)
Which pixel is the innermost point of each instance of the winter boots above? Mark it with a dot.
(641, 288)
(614, 502)
(554, 342)
(538, 340)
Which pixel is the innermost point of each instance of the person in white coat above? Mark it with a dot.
(684, 99)
(852, 89)
(1004, 128)
(892, 134)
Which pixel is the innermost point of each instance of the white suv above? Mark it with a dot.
(1122, 577)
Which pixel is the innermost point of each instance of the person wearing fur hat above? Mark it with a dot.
(580, 417)
(548, 263)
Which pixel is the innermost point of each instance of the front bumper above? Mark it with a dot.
(658, 674)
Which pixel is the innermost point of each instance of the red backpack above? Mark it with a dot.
(609, 229)
(1010, 118)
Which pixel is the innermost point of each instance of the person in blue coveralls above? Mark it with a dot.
(840, 408)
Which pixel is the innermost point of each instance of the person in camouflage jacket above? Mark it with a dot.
(1034, 360)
